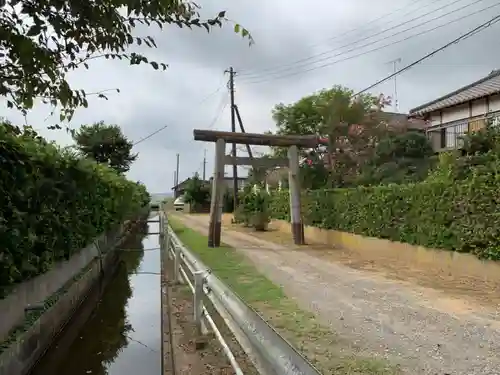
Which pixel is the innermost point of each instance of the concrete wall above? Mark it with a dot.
(443, 261)
(23, 354)
(39, 288)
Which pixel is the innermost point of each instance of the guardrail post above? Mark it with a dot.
(200, 341)
(161, 228)
(165, 232)
(177, 264)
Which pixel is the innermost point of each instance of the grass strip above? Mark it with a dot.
(329, 353)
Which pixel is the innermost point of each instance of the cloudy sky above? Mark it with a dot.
(300, 47)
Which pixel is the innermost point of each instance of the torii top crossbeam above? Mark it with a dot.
(305, 141)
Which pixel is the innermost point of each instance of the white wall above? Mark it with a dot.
(458, 112)
(479, 107)
(435, 118)
(495, 103)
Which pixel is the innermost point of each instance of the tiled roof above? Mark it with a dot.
(486, 86)
(401, 120)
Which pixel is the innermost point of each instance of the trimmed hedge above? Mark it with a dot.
(459, 215)
(54, 203)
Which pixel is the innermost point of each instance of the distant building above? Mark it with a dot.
(401, 121)
(464, 110)
(180, 188)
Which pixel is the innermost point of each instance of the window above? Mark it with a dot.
(450, 137)
(443, 138)
(454, 134)
(495, 120)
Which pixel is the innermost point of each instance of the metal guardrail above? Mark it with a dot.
(270, 353)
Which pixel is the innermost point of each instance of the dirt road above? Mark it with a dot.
(423, 330)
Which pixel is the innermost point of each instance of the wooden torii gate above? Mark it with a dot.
(292, 142)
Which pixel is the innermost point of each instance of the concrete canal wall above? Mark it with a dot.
(58, 293)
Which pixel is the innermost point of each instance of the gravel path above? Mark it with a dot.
(423, 330)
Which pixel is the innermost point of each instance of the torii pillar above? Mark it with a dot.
(292, 142)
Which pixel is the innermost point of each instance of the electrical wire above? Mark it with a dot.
(221, 86)
(222, 107)
(308, 61)
(338, 36)
(467, 35)
(350, 31)
(150, 135)
(369, 51)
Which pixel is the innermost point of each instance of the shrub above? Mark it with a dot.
(253, 209)
(456, 214)
(54, 203)
(197, 192)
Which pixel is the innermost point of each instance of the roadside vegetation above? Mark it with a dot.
(378, 176)
(56, 202)
(454, 208)
(58, 199)
(323, 348)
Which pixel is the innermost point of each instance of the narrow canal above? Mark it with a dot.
(117, 330)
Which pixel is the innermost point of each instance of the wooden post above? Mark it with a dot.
(220, 208)
(214, 228)
(294, 187)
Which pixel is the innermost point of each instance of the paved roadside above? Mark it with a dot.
(423, 330)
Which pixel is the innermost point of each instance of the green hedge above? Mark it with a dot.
(455, 215)
(54, 203)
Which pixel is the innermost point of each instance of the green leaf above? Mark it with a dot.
(39, 64)
(237, 28)
(34, 30)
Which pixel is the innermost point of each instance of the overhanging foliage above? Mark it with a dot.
(55, 203)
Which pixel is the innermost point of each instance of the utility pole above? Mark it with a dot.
(204, 163)
(175, 184)
(233, 129)
(394, 64)
(177, 174)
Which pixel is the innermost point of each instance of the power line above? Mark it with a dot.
(469, 34)
(222, 106)
(165, 126)
(379, 19)
(371, 50)
(308, 61)
(150, 135)
(350, 31)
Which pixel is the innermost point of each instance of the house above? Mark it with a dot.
(401, 121)
(180, 188)
(464, 110)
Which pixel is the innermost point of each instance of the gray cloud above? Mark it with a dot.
(284, 32)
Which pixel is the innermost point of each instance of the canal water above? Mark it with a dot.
(117, 331)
